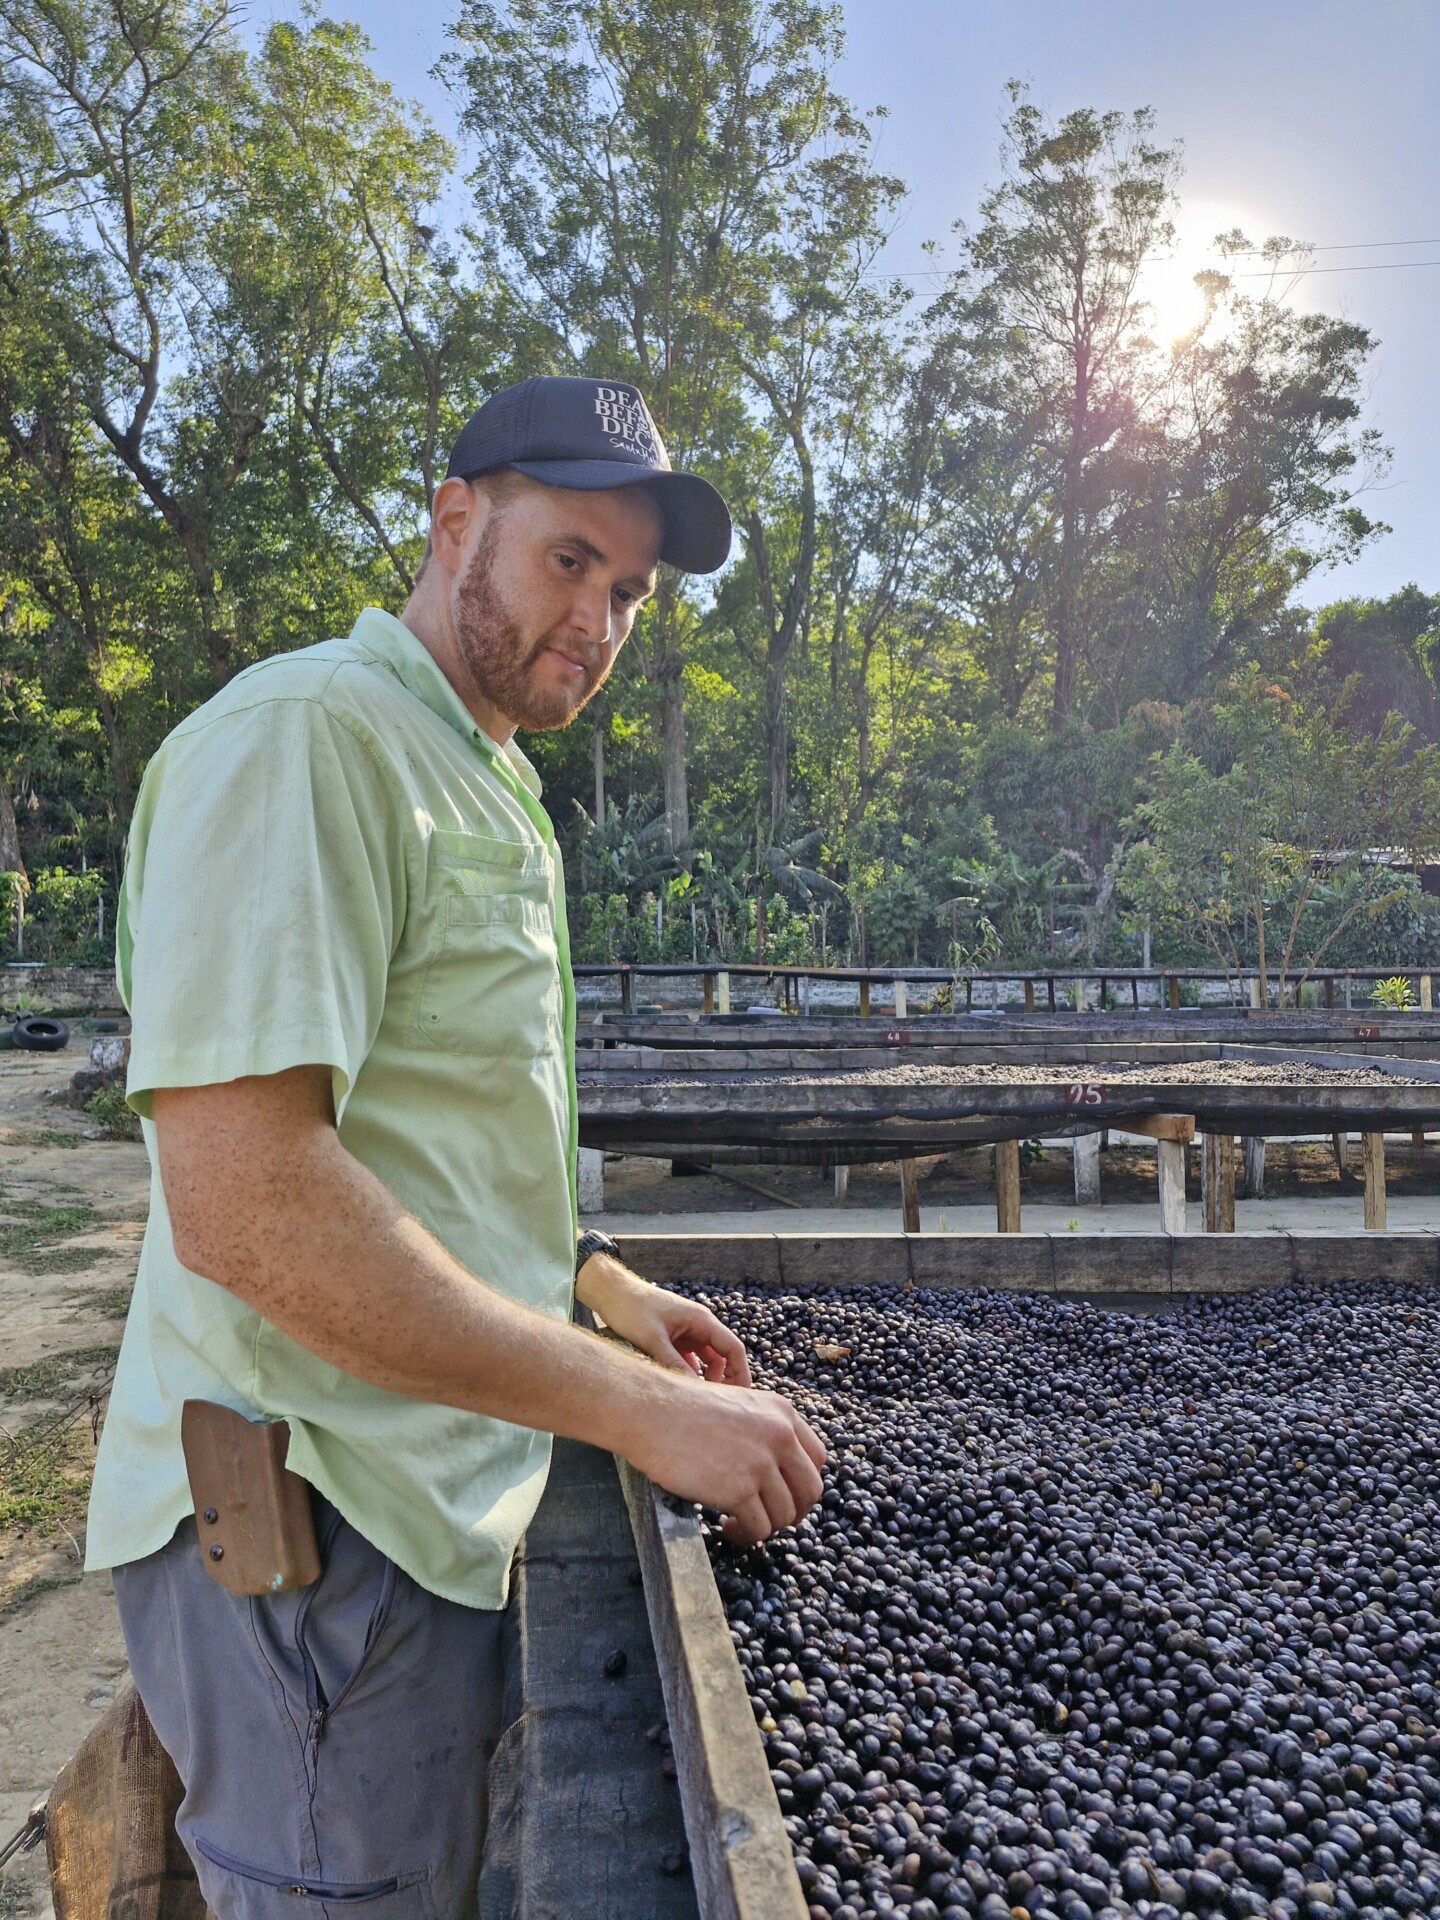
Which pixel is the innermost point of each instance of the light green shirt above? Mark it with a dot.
(330, 863)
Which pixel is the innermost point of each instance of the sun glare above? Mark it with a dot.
(1167, 282)
(1177, 306)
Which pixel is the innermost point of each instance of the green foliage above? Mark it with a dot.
(1395, 993)
(111, 1113)
(62, 918)
(987, 673)
(1260, 841)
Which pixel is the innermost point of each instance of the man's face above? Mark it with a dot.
(549, 595)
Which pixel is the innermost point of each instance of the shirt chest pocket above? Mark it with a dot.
(492, 983)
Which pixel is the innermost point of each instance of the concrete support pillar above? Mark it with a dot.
(722, 993)
(842, 1185)
(590, 1180)
(1252, 1186)
(901, 1004)
(1085, 1152)
(1170, 1176)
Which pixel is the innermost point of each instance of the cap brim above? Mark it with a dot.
(697, 520)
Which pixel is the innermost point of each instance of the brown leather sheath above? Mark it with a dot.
(256, 1527)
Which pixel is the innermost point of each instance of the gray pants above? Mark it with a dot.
(334, 1744)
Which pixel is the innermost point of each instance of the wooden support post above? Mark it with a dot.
(806, 984)
(625, 990)
(1172, 993)
(722, 992)
(1050, 985)
(1252, 1186)
(864, 999)
(1080, 1006)
(1330, 992)
(842, 1185)
(1217, 1182)
(1007, 1186)
(707, 994)
(901, 1004)
(1135, 993)
(1340, 1147)
(1254, 989)
(1349, 987)
(969, 992)
(1427, 994)
(1029, 996)
(910, 1196)
(1170, 1175)
(1085, 1152)
(1373, 1148)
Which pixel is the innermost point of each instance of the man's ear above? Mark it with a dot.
(454, 514)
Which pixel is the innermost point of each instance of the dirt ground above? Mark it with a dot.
(72, 1211)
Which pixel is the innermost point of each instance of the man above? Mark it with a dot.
(342, 942)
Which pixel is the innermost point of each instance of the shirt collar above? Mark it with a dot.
(390, 640)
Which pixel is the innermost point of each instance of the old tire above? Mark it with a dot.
(40, 1033)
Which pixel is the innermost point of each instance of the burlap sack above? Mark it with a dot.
(110, 1827)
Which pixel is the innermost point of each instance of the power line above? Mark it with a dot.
(1350, 246)
(1367, 266)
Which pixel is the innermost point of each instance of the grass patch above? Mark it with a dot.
(43, 1259)
(17, 1896)
(111, 1303)
(28, 1238)
(43, 1137)
(47, 1485)
(48, 1378)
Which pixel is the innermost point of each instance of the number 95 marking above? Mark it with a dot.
(1082, 1093)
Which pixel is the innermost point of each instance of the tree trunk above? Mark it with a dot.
(1067, 616)
(665, 673)
(777, 744)
(672, 751)
(597, 738)
(10, 860)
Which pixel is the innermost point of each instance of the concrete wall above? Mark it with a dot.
(62, 989)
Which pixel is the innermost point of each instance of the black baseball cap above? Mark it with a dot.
(566, 431)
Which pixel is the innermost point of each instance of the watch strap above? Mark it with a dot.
(591, 1242)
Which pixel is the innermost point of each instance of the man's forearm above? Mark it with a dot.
(333, 1260)
(264, 1200)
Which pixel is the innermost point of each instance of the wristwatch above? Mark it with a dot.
(593, 1241)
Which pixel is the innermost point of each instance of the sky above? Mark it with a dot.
(1310, 118)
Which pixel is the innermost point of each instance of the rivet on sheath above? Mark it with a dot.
(211, 1516)
(217, 1553)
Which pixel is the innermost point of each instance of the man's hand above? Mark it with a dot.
(674, 1331)
(746, 1452)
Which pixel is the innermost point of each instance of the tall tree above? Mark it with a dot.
(639, 166)
(1052, 289)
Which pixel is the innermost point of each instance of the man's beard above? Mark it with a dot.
(493, 650)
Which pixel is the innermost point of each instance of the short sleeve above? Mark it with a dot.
(264, 894)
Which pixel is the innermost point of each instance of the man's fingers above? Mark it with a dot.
(779, 1500)
(749, 1524)
(732, 1350)
(802, 1479)
(810, 1440)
